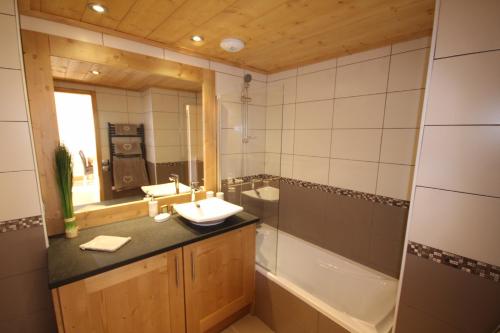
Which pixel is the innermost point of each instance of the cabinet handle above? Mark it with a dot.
(176, 272)
(193, 273)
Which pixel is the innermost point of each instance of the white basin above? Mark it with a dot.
(207, 212)
(163, 190)
(266, 193)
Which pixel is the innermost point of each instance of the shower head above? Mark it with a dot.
(247, 78)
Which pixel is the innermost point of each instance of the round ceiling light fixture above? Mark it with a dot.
(232, 44)
(98, 8)
(95, 72)
(197, 38)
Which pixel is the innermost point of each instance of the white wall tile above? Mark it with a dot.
(167, 137)
(9, 57)
(356, 144)
(312, 169)
(282, 75)
(228, 69)
(286, 166)
(312, 142)
(314, 115)
(395, 181)
(186, 59)
(12, 102)
(231, 142)
(106, 90)
(231, 166)
(228, 87)
(155, 90)
(273, 141)
(461, 158)
(369, 77)
(137, 118)
(354, 175)
(462, 84)
(231, 115)
(19, 195)
(274, 116)
(111, 103)
(318, 66)
(257, 141)
(316, 86)
(258, 93)
(275, 91)
(112, 117)
(467, 26)
(273, 164)
(61, 30)
(255, 75)
(403, 109)
(289, 116)
(15, 147)
(166, 154)
(408, 70)
(411, 45)
(256, 117)
(255, 163)
(359, 112)
(165, 103)
(460, 223)
(166, 120)
(287, 141)
(131, 46)
(290, 90)
(7, 7)
(399, 146)
(366, 55)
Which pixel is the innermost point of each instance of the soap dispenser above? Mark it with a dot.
(153, 206)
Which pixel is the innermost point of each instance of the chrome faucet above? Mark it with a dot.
(175, 178)
(194, 188)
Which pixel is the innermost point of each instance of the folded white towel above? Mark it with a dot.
(105, 243)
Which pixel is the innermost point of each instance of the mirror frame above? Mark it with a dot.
(37, 50)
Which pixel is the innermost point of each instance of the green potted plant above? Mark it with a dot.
(64, 166)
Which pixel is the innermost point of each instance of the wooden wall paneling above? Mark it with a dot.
(210, 119)
(40, 89)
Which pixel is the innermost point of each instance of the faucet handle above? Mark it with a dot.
(173, 176)
(194, 185)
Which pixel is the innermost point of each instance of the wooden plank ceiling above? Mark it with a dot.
(80, 71)
(279, 34)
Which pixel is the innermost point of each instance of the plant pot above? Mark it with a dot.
(70, 227)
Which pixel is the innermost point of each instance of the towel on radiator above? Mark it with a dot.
(128, 148)
(126, 129)
(129, 173)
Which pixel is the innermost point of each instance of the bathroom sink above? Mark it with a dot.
(207, 212)
(163, 190)
(266, 193)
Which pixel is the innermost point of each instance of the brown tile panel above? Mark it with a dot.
(411, 320)
(22, 251)
(282, 311)
(325, 325)
(181, 168)
(465, 301)
(37, 322)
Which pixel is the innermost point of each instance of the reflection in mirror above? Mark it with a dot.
(129, 136)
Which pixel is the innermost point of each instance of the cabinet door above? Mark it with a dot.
(219, 278)
(146, 296)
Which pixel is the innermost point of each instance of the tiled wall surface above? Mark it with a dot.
(24, 301)
(457, 196)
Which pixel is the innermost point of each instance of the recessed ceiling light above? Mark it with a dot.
(197, 38)
(232, 44)
(98, 8)
(95, 72)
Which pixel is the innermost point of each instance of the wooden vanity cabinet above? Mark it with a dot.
(146, 296)
(219, 275)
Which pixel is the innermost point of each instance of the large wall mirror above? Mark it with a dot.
(134, 125)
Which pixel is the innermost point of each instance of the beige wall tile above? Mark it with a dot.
(287, 140)
(461, 223)
(274, 117)
(462, 84)
(231, 142)
(314, 115)
(354, 175)
(312, 169)
(136, 118)
(257, 92)
(15, 147)
(19, 195)
(286, 165)
(368, 77)
(112, 117)
(395, 181)
(461, 158)
(167, 138)
(282, 75)
(257, 141)
(134, 104)
(290, 90)
(403, 109)
(356, 144)
(255, 163)
(231, 166)
(316, 86)
(230, 115)
(318, 66)
(7, 7)
(359, 112)
(399, 146)
(256, 117)
(312, 142)
(12, 102)
(366, 55)
(113, 91)
(228, 87)
(166, 120)
(273, 162)
(9, 57)
(408, 70)
(168, 154)
(273, 141)
(165, 103)
(411, 45)
(288, 116)
(466, 27)
(275, 92)
(111, 102)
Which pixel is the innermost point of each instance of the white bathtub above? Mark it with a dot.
(356, 297)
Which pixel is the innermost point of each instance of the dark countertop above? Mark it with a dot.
(67, 263)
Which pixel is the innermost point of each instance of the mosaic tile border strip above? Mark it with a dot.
(467, 265)
(335, 190)
(23, 223)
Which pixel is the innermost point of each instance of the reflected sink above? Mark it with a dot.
(207, 212)
(266, 193)
(163, 190)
